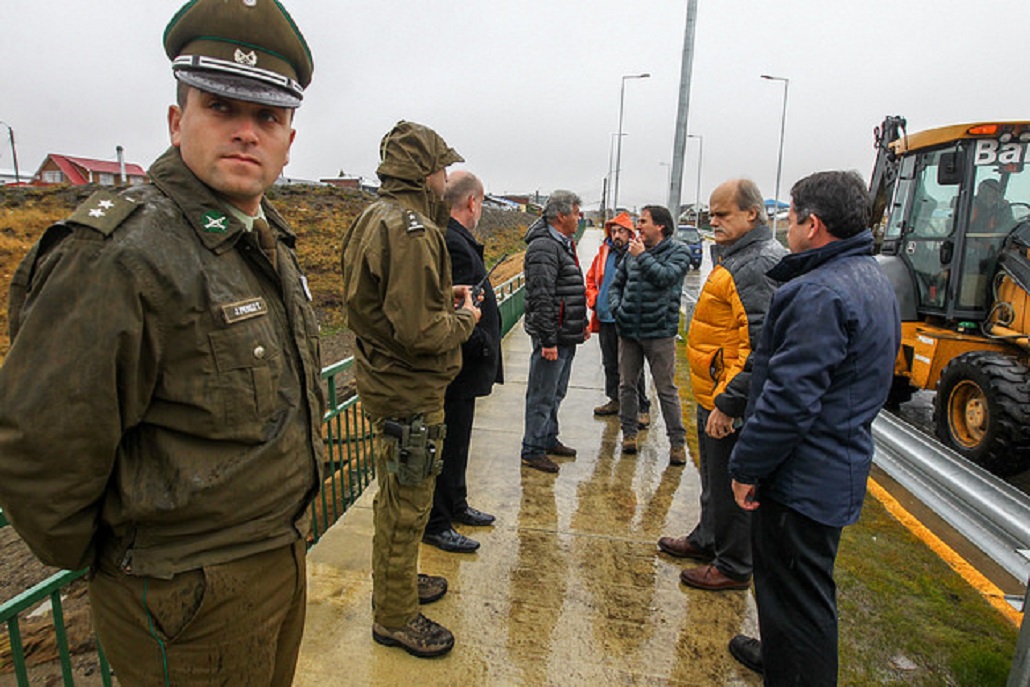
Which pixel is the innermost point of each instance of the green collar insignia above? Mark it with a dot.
(215, 222)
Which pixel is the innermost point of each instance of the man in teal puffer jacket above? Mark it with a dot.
(645, 298)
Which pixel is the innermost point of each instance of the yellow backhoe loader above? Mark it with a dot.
(951, 213)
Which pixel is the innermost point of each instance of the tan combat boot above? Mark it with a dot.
(678, 455)
(609, 408)
(421, 637)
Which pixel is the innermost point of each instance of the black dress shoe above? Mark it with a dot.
(476, 518)
(450, 540)
(748, 651)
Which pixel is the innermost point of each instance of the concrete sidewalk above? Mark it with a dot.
(567, 587)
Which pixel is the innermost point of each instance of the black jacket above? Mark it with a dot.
(481, 364)
(556, 299)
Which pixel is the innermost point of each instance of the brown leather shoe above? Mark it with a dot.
(678, 455)
(680, 547)
(629, 444)
(560, 449)
(609, 408)
(711, 578)
(541, 463)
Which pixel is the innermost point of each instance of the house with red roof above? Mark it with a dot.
(78, 171)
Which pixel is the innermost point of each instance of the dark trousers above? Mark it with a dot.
(796, 595)
(451, 493)
(608, 337)
(546, 386)
(724, 527)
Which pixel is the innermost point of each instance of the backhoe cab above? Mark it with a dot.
(951, 214)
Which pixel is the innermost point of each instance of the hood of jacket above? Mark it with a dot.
(623, 220)
(409, 153)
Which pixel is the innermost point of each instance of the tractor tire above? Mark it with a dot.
(982, 411)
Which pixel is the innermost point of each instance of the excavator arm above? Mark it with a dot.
(885, 170)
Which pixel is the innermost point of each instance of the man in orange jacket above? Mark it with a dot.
(724, 330)
(618, 232)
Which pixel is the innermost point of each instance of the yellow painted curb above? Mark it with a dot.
(987, 589)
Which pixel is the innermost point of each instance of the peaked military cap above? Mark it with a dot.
(242, 49)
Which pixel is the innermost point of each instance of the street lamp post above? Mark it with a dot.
(618, 153)
(783, 126)
(14, 152)
(697, 195)
(611, 153)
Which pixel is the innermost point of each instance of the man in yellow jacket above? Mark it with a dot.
(724, 330)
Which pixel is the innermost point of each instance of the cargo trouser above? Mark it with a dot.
(400, 513)
(234, 623)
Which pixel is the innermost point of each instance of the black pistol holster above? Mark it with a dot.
(414, 449)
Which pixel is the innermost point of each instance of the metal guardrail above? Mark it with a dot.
(989, 512)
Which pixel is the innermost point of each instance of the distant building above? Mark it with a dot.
(79, 171)
(7, 176)
(294, 181)
(355, 183)
(500, 203)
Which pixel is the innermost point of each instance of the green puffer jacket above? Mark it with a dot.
(161, 400)
(397, 283)
(645, 295)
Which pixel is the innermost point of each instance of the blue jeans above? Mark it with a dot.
(548, 381)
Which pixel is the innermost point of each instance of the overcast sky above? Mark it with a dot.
(528, 91)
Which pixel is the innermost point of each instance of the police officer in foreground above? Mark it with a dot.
(409, 322)
(161, 405)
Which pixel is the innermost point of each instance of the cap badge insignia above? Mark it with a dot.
(214, 222)
(247, 58)
(250, 3)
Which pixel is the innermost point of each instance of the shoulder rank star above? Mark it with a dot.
(413, 223)
(98, 211)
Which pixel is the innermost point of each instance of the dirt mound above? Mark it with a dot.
(319, 215)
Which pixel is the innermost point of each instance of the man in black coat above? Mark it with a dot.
(556, 321)
(481, 369)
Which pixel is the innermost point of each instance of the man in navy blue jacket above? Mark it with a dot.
(820, 375)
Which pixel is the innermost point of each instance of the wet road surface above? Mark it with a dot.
(567, 588)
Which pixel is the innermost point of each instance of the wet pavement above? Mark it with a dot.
(567, 587)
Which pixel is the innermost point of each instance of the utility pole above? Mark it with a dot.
(679, 145)
(14, 152)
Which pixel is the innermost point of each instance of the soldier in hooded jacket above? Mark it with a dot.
(409, 324)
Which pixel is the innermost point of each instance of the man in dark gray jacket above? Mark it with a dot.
(645, 299)
(556, 320)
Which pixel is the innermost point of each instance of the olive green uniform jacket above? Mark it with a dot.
(399, 304)
(161, 402)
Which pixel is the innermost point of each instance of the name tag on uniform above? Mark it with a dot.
(244, 310)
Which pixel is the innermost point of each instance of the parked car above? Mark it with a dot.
(692, 237)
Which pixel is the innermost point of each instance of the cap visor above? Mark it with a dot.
(238, 88)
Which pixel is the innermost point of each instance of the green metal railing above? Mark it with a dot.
(350, 467)
(511, 301)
